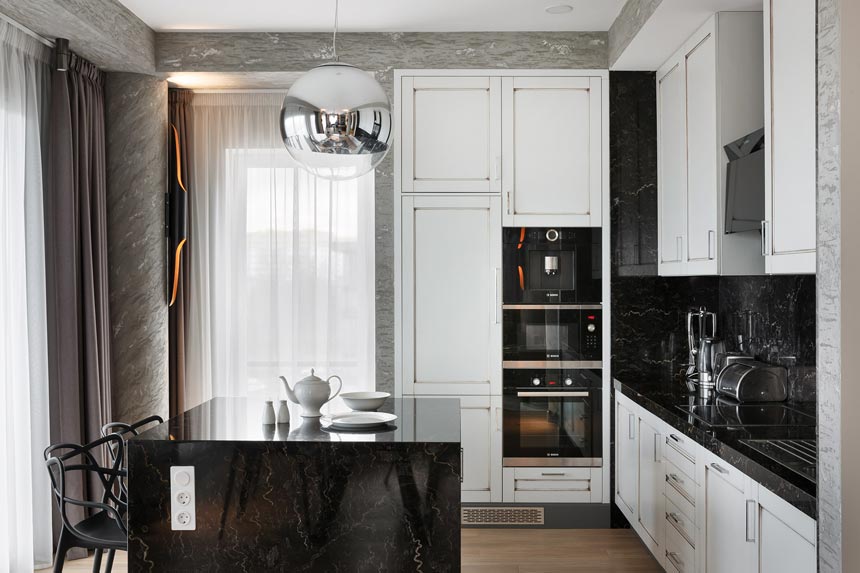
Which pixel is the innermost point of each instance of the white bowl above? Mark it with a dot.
(364, 401)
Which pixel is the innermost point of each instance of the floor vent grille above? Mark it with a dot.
(502, 515)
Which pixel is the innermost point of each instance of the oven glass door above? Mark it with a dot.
(541, 333)
(549, 427)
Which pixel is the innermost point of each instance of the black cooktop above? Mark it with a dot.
(729, 414)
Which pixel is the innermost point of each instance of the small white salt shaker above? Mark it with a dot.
(283, 413)
(268, 414)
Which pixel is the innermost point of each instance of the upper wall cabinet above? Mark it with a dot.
(709, 93)
(539, 139)
(451, 134)
(790, 131)
(553, 150)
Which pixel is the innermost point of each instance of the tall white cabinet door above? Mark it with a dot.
(790, 135)
(481, 440)
(672, 167)
(652, 514)
(450, 134)
(451, 299)
(552, 150)
(702, 177)
(728, 525)
(626, 461)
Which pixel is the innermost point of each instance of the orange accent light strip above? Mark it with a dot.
(522, 278)
(178, 158)
(176, 271)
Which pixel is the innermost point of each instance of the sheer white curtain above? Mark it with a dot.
(282, 263)
(25, 496)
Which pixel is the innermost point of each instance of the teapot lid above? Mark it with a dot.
(312, 378)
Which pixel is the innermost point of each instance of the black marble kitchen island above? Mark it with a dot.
(299, 497)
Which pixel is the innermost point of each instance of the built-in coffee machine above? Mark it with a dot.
(552, 337)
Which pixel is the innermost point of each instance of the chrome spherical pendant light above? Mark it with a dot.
(336, 120)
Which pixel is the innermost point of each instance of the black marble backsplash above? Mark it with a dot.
(770, 317)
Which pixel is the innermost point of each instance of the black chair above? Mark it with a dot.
(122, 429)
(105, 528)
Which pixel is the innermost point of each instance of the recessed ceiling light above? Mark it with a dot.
(559, 9)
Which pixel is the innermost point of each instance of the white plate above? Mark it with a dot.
(361, 420)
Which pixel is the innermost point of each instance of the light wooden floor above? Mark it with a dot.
(524, 551)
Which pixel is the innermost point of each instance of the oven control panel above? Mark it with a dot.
(514, 379)
(592, 335)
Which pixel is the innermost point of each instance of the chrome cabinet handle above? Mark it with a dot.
(765, 239)
(720, 469)
(462, 466)
(673, 517)
(673, 557)
(675, 478)
(498, 307)
(712, 245)
(497, 168)
(679, 248)
(550, 474)
(498, 419)
(656, 446)
(750, 521)
(508, 195)
(630, 423)
(675, 438)
(552, 394)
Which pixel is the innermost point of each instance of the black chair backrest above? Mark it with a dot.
(61, 459)
(123, 430)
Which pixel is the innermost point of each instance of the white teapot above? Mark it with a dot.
(311, 392)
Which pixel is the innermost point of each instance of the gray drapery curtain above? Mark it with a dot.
(180, 118)
(76, 260)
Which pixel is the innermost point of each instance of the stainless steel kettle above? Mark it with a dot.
(706, 360)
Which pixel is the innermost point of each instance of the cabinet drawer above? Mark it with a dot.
(683, 523)
(553, 473)
(679, 553)
(684, 505)
(680, 482)
(548, 485)
(681, 453)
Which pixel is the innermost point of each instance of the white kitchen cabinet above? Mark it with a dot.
(450, 295)
(481, 440)
(709, 93)
(554, 150)
(651, 514)
(626, 459)
(552, 485)
(717, 519)
(727, 528)
(450, 134)
(790, 135)
(786, 537)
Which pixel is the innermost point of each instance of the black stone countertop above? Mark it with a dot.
(420, 420)
(661, 398)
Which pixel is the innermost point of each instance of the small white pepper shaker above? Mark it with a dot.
(268, 414)
(283, 413)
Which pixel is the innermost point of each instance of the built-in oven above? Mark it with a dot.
(552, 336)
(552, 418)
(551, 265)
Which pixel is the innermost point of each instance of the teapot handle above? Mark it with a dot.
(339, 386)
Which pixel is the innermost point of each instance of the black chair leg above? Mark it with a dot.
(62, 547)
(97, 561)
(109, 563)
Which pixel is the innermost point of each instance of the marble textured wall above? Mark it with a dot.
(381, 54)
(103, 31)
(829, 326)
(630, 20)
(136, 126)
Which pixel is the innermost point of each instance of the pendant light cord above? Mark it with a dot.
(334, 34)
